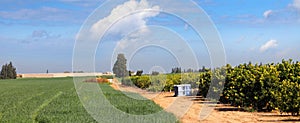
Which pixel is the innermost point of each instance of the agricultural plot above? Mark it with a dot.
(56, 100)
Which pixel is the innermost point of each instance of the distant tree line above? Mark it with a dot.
(8, 71)
(190, 70)
(120, 69)
(176, 70)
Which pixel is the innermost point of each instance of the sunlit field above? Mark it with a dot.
(56, 100)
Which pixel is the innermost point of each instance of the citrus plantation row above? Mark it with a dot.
(254, 87)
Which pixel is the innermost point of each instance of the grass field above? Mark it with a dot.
(56, 100)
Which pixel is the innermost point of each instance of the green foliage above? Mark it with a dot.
(8, 71)
(127, 81)
(289, 97)
(139, 73)
(176, 70)
(142, 81)
(204, 83)
(250, 85)
(217, 83)
(154, 83)
(256, 87)
(120, 68)
(106, 76)
(158, 83)
(190, 78)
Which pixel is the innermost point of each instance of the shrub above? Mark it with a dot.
(127, 81)
(97, 80)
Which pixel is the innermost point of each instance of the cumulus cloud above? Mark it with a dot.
(134, 39)
(268, 45)
(289, 14)
(124, 25)
(268, 13)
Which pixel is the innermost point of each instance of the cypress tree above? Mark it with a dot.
(120, 66)
(2, 73)
(8, 71)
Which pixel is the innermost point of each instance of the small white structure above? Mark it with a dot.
(183, 90)
(110, 80)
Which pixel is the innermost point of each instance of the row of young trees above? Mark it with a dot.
(153, 83)
(8, 71)
(257, 87)
(260, 87)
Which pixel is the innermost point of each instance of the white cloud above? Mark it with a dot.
(134, 39)
(289, 14)
(268, 45)
(268, 13)
(296, 4)
(124, 25)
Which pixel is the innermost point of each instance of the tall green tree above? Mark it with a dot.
(120, 68)
(139, 73)
(8, 71)
(176, 70)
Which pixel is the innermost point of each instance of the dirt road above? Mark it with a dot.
(219, 114)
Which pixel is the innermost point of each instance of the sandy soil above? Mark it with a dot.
(189, 108)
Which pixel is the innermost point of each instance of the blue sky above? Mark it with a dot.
(40, 35)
